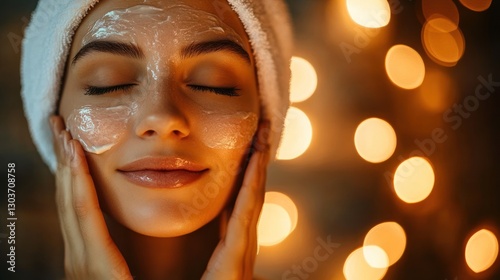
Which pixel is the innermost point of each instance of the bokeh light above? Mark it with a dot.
(297, 135)
(414, 180)
(375, 140)
(304, 79)
(375, 256)
(443, 46)
(476, 5)
(481, 250)
(369, 13)
(274, 225)
(287, 204)
(388, 236)
(405, 67)
(357, 268)
(442, 8)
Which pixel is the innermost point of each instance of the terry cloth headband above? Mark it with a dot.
(48, 39)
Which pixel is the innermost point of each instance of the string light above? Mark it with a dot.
(405, 67)
(443, 41)
(357, 268)
(304, 79)
(476, 5)
(414, 180)
(277, 220)
(390, 237)
(297, 135)
(375, 140)
(481, 250)
(369, 13)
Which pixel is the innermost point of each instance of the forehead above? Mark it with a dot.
(219, 9)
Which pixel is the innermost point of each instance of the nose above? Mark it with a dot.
(161, 118)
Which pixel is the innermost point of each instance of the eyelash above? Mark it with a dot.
(228, 91)
(92, 90)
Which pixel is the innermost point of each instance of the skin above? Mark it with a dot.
(114, 229)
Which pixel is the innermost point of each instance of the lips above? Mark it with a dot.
(162, 172)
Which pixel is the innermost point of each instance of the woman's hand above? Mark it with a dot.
(234, 256)
(89, 251)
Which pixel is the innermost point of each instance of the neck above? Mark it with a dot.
(183, 257)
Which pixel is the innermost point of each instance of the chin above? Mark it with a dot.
(166, 213)
(158, 225)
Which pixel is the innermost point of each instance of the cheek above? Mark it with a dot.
(228, 132)
(98, 129)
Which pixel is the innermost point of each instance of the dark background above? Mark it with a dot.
(337, 193)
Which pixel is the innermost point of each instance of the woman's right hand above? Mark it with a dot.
(89, 251)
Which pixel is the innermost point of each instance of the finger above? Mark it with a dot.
(57, 126)
(73, 243)
(262, 145)
(248, 202)
(94, 231)
(251, 250)
(262, 136)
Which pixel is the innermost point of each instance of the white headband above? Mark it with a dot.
(48, 40)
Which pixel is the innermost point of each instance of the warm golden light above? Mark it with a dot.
(287, 204)
(375, 256)
(441, 45)
(405, 67)
(481, 250)
(369, 13)
(414, 180)
(304, 79)
(356, 267)
(375, 140)
(388, 236)
(437, 91)
(442, 8)
(274, 225)
(297, 135)
(476, 5)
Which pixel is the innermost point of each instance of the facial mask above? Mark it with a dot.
(148, 26)
(229, 131)
(98, 129)
(160, 33)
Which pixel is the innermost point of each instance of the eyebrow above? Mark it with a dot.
(214, 46)
(133, 51)
(113, 47)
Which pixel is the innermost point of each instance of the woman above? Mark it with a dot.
(164, 116)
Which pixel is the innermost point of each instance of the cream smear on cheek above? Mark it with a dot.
(228, 132)
(98, 128)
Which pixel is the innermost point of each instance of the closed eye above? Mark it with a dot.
(93, 90)
(228, 91)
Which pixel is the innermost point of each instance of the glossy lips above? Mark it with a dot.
(162, 172)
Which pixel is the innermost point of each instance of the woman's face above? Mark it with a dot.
(163, 97)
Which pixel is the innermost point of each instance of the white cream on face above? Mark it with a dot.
(233, 131)
(159, 31)
(98, 129)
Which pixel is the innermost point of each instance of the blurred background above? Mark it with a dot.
(388, 167)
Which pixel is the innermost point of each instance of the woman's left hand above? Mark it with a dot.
(234, 256)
